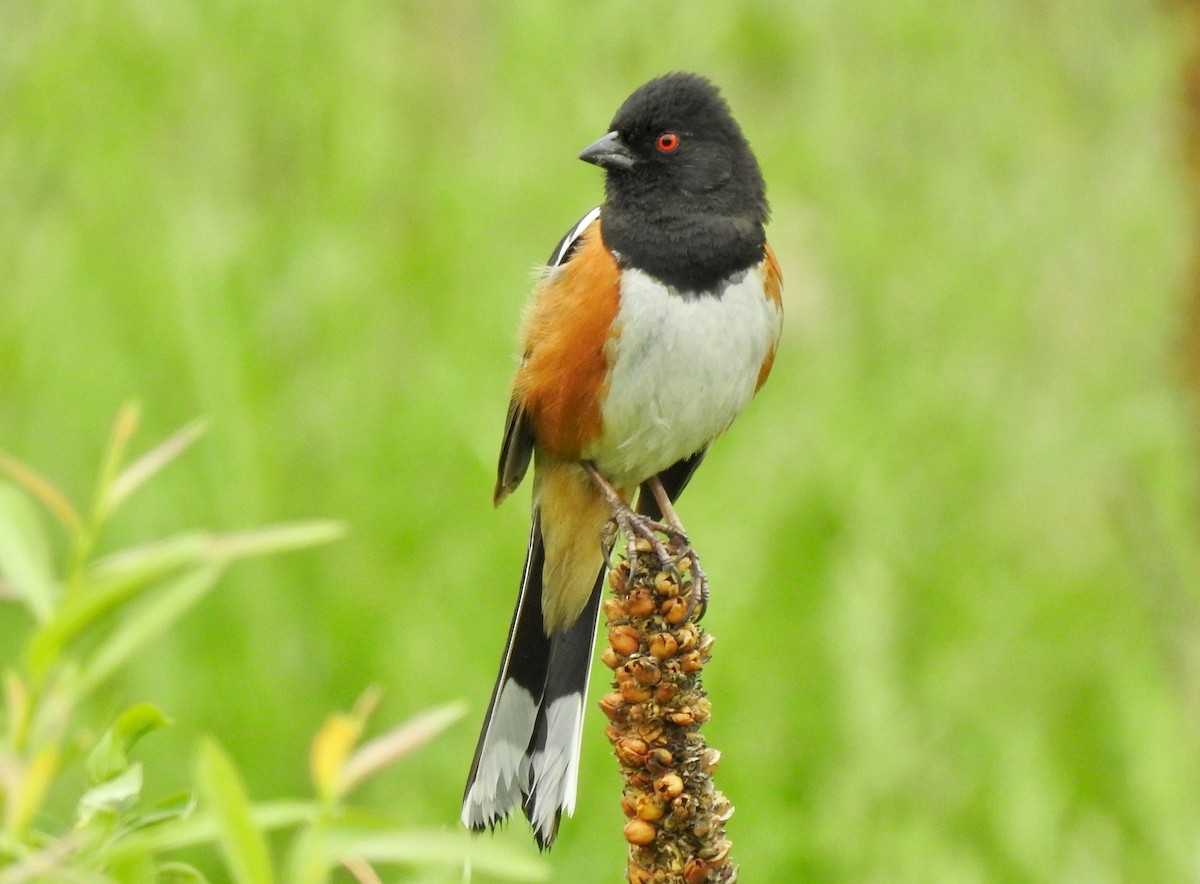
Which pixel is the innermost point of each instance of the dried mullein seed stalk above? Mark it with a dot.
(675, 816)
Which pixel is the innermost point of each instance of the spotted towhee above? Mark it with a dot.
(653, 325)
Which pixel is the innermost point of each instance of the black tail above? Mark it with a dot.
(674, 479)
(528, 751)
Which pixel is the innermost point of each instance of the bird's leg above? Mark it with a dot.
(635, 525)
(632, 523)
(698, 597)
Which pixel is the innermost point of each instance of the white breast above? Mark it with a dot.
(681, 367)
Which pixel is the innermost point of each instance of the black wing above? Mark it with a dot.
(517, 448)
(674, 479)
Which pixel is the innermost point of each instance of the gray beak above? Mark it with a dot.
(609, 153)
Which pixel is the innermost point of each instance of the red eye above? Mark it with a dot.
(667, 142)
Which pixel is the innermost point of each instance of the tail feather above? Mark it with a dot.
(500, 770)
(528, 750)
(555, 747)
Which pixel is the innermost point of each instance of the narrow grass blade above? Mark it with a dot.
(145, 467)
(43, 490)
(377, 754)
(434, 848)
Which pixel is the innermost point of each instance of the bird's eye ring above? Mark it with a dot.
(667, 142)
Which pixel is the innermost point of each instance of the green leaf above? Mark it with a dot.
(117, 579)
(242, 844)
(178, 873)
(434, 848)
(112, 796)
(106, 586)
(25, 562)
(274, 539)
(110, 756)
(160, 812)
(145, 623)
(114, 454)
(202, 827)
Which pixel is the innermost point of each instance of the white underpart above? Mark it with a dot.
(555, 769)
(503, 768)
(682, 368)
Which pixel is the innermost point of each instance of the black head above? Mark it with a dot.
(685, 200)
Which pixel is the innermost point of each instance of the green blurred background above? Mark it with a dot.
(953, 542)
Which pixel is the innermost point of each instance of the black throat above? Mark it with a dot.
(691, 250)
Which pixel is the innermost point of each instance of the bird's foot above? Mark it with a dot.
(638, 526)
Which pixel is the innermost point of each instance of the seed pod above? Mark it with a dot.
(614, 609)
(666, 692)
(649, 807)
(624, 640)
(633, 692)
(674, 611)
(641, 603)
(644, 671)
(665, 584)
(683, 718)
(639, 831)
(669, 786)
(695, 871)
(663, 645)
(632, 751)
(658, 762)
(611, 705)
(609, 658)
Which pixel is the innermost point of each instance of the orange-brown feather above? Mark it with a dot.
(564, 336)
(773, 287)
